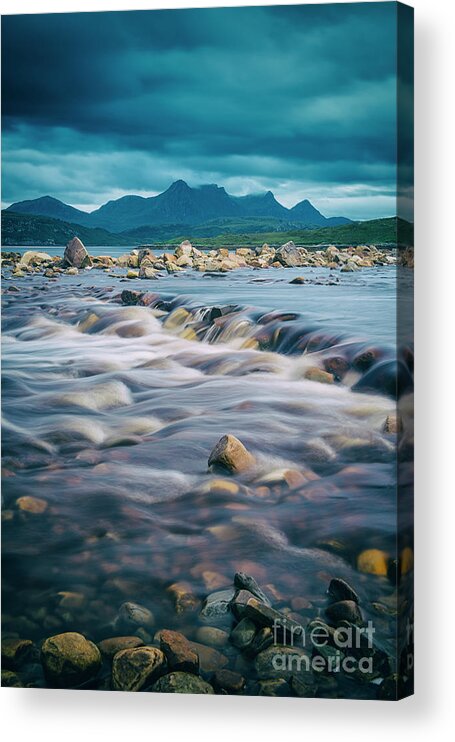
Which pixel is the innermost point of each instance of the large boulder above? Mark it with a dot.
(32, 257)
(185, 248)
(69, 659)
(76, 254)
(288, 255)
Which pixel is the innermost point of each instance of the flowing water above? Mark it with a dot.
(111, 409)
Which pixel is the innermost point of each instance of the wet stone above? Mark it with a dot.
(179, 653)
(276, 687)
(230, 454)
(184, 599)
(243, 581)
(344, 610)
(243, 633)
(29, 504)
(238, 605)
(212, 636)
(228, 681)
(181, 682)
(132, 616)
(11, 680)
(134, 669)
(282, 662)
(210, 659)
(69, 660)
(110, 647)
(217, 603)
(15, 652)
(341, 590)
(264, 615)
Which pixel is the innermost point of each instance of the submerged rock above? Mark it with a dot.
(132, 616)
(231, 455)
(344, 610)
(341, 590)
(217, 603)
(133, 669)
(182, 682)
(76, 254)
(15, 652)
(228, 682)
(373, 562)
(317, 374)
(69, 659)
(179, 653)
(110, 647)
(246, 582)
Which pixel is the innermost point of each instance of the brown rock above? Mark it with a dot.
(179, 653)
(31, 504)
(182, 682)
(110, 647)
(231, 455)
(76, 255)
(184, 599)
(15, 651)
(210, 659)
(69, 659)
(133, 669)
(228, 681)
(317, 374)
(393, 424)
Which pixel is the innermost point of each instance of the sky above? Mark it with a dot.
(299, 100)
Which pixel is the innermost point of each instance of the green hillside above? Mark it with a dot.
(25, 229)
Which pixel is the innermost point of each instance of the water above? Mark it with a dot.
(110, 414)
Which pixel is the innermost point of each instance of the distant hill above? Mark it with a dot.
(25, 229)
(180, 204)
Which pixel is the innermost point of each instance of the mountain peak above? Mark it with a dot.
(178, 185)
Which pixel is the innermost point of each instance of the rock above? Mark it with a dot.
(243, 633)
(146, 271)
(298, 280)
(218, 603)
(212, 636)
(71, 600)
(182, 682)
(30, 504)
(393, 424)
(238, 605)
(373, 562)
(76, 255)
(210, 659)
(276, 688)
(15, 652)
(263, 639)
(130, 297)
(313, 373)
(184, 599)
(11, 680)
(73, 271)
(288, 255)
(349, 267)
(184, 249)
(228, 681)
(31, 257)
(280, 661)
(344, 610)
(132, 616)
(264, 615)
(110, 647)
(178, 651)
(69, 660)
(304, 685)
(133, 669)
(132, 274)
(243, 581)
(341, 590)
(231, 455)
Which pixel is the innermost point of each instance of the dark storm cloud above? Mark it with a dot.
(299, 99)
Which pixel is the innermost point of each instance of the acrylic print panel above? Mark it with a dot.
(207, 350)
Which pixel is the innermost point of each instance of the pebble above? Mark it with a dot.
(110, 647)
(212, 636)
(178, 651)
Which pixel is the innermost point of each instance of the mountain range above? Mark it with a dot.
(183, 206)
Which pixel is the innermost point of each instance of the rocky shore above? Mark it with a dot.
(145, 263)
(249, 641)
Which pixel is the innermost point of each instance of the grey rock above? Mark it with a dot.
(133, 615)
(76, 255)
(341, 590)
(217, 603)
(245, 582)
(243, 633)
(182, 682)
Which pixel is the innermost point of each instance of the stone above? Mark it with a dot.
(262, 639)
(217, 603)
(110, 647)
(184, 249)
(304, 685)
(29, 504)
(210, 659)
(288, 255)
(238, 605)
(264, 615)
(178, 651)
(69, 660)
(341, 590)
(313, 373)
(146, 271)
(228, 681)
(15, 652)
(298, 280)
(242, 581)
(182, 682)
(130, 297)
(184, 599)
(393, 424)
(134, 669)
(276, 687)
(280, 661)
(132, 274)
(373, 562)
(73, 271)
(11, 680)
(231, 455)
(344, 610)
(132, 616)
(32, 257)
(212, 636)
(243, 633)
(76, 254)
